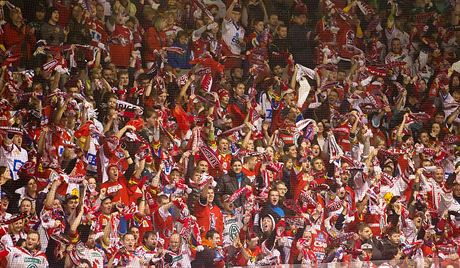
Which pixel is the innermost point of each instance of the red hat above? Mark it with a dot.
(148, 159)
(253, 235)
(223, 92)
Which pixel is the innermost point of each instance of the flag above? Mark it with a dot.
(202, 6)
(304, 71)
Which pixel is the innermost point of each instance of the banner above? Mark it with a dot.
(210, 156)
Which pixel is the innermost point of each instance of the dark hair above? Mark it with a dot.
(392, 231)
(180, 34)
(50, 12)
(361, 226)
(25, 199)
(37, 233)
(147, 234)
(210, 234)
(108, 96)
(70, 197)
(143, 76)
(149, 112)
(234, 160)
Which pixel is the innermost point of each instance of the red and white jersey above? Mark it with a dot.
(126, 259)
(232, 32)
(94, 255)
(8, 239)
(181, 259)
(145, 254)
(225, 160)
(20, 257)
(439, 196)
(319, 245)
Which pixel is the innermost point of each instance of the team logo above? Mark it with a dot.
(233, 231)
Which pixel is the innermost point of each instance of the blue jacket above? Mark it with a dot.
(180, 61)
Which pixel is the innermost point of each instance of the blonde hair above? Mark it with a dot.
(157, 23)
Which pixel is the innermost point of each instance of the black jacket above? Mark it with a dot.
(228, 184)
(205, 258)
(299, 45)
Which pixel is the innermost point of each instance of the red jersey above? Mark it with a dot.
(163, 223)
(122, 45)
(209, 216)
(319, 245)
(343, 136)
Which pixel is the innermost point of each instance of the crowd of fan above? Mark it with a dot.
(212, 133)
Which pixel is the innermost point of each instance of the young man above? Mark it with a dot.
(208, 215)
(52, 32)
(150, 249)
(125, 256)
(211, 256)
(233, 36)
(12, 154)
(28, 255)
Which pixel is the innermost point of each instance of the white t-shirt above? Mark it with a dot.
(13, 160)
(231, 34)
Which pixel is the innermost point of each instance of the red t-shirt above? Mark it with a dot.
(207, 217)
(120, 50)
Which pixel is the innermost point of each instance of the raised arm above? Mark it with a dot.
(76, 222)
(122, 131)
(230, 9)
(401, 127)
(52, 194)
(184, 88)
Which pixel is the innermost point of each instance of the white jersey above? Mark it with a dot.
(181, 259)
(232, 226)
(22, 258)
(441, 197)
(145, 254)
(13, 159)
(131, 261)
(266, 107)
(94, 256)
(10, 240)
(232, 32)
